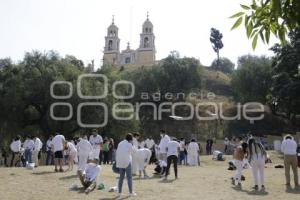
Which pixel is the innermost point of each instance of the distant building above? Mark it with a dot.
(143, 56)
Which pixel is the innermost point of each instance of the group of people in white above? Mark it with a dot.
(252, 154)
(133, 155)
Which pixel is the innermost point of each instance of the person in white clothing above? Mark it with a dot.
(193, 153)
(289, 149)
(84, 150)
(165, 139)
(96, 141)
(37, 147)
(49, 158)
(143, 157)
(135, 144)
(57, 145)
(257, 157)
(28, 146)
(124, 162)
(88, 176)
(72, 152)
(15, 147)
(149, 143)
(173, 148)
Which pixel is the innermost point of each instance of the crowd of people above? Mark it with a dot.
(133, 154)
(251, 153)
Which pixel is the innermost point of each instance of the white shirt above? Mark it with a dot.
(38, 144)
(289, 147)
(15, 146)
(58, 142)
(124, 154)
(91, 171)
(193, 148)
(149, 143)
(144, 154)
(173, 147)
(84, 146)
(182, 144)
(28, 144)
(135, 143)
(48, 145)
(163, 144)
(142, 144)
(96, 141)
(71, 147)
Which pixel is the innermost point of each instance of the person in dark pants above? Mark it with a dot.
(105, 152)
(209, 144)
(173, 149)
(111, 151)
(50, 157)
(15, 147)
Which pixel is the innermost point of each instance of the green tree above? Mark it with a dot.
(252, 79)
(216, 40)
(265, 17)
(285, 90)
(225, 65)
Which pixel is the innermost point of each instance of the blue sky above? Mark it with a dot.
(78, 27)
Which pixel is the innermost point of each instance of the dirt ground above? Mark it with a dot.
(210, 181)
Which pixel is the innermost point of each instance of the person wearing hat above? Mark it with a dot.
(88, 176)
(289, 149)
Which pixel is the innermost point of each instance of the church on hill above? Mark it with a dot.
(142, 56)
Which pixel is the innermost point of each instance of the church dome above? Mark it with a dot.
(148, 23)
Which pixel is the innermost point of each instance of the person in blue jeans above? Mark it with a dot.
(28, 146)
(124, 162)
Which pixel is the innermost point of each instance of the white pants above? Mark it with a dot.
(82, 160)
(35, 157)
(258, 167)
(239, 169)
(96, 153)
(134, 166)
(193, 159)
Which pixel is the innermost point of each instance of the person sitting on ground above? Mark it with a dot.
(88, 177)
(143, 157)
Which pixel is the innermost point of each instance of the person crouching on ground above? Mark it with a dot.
(88, 177)
(143, 157)
(257, 157)
(239, 154)
(72, 152)
(124, 162)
